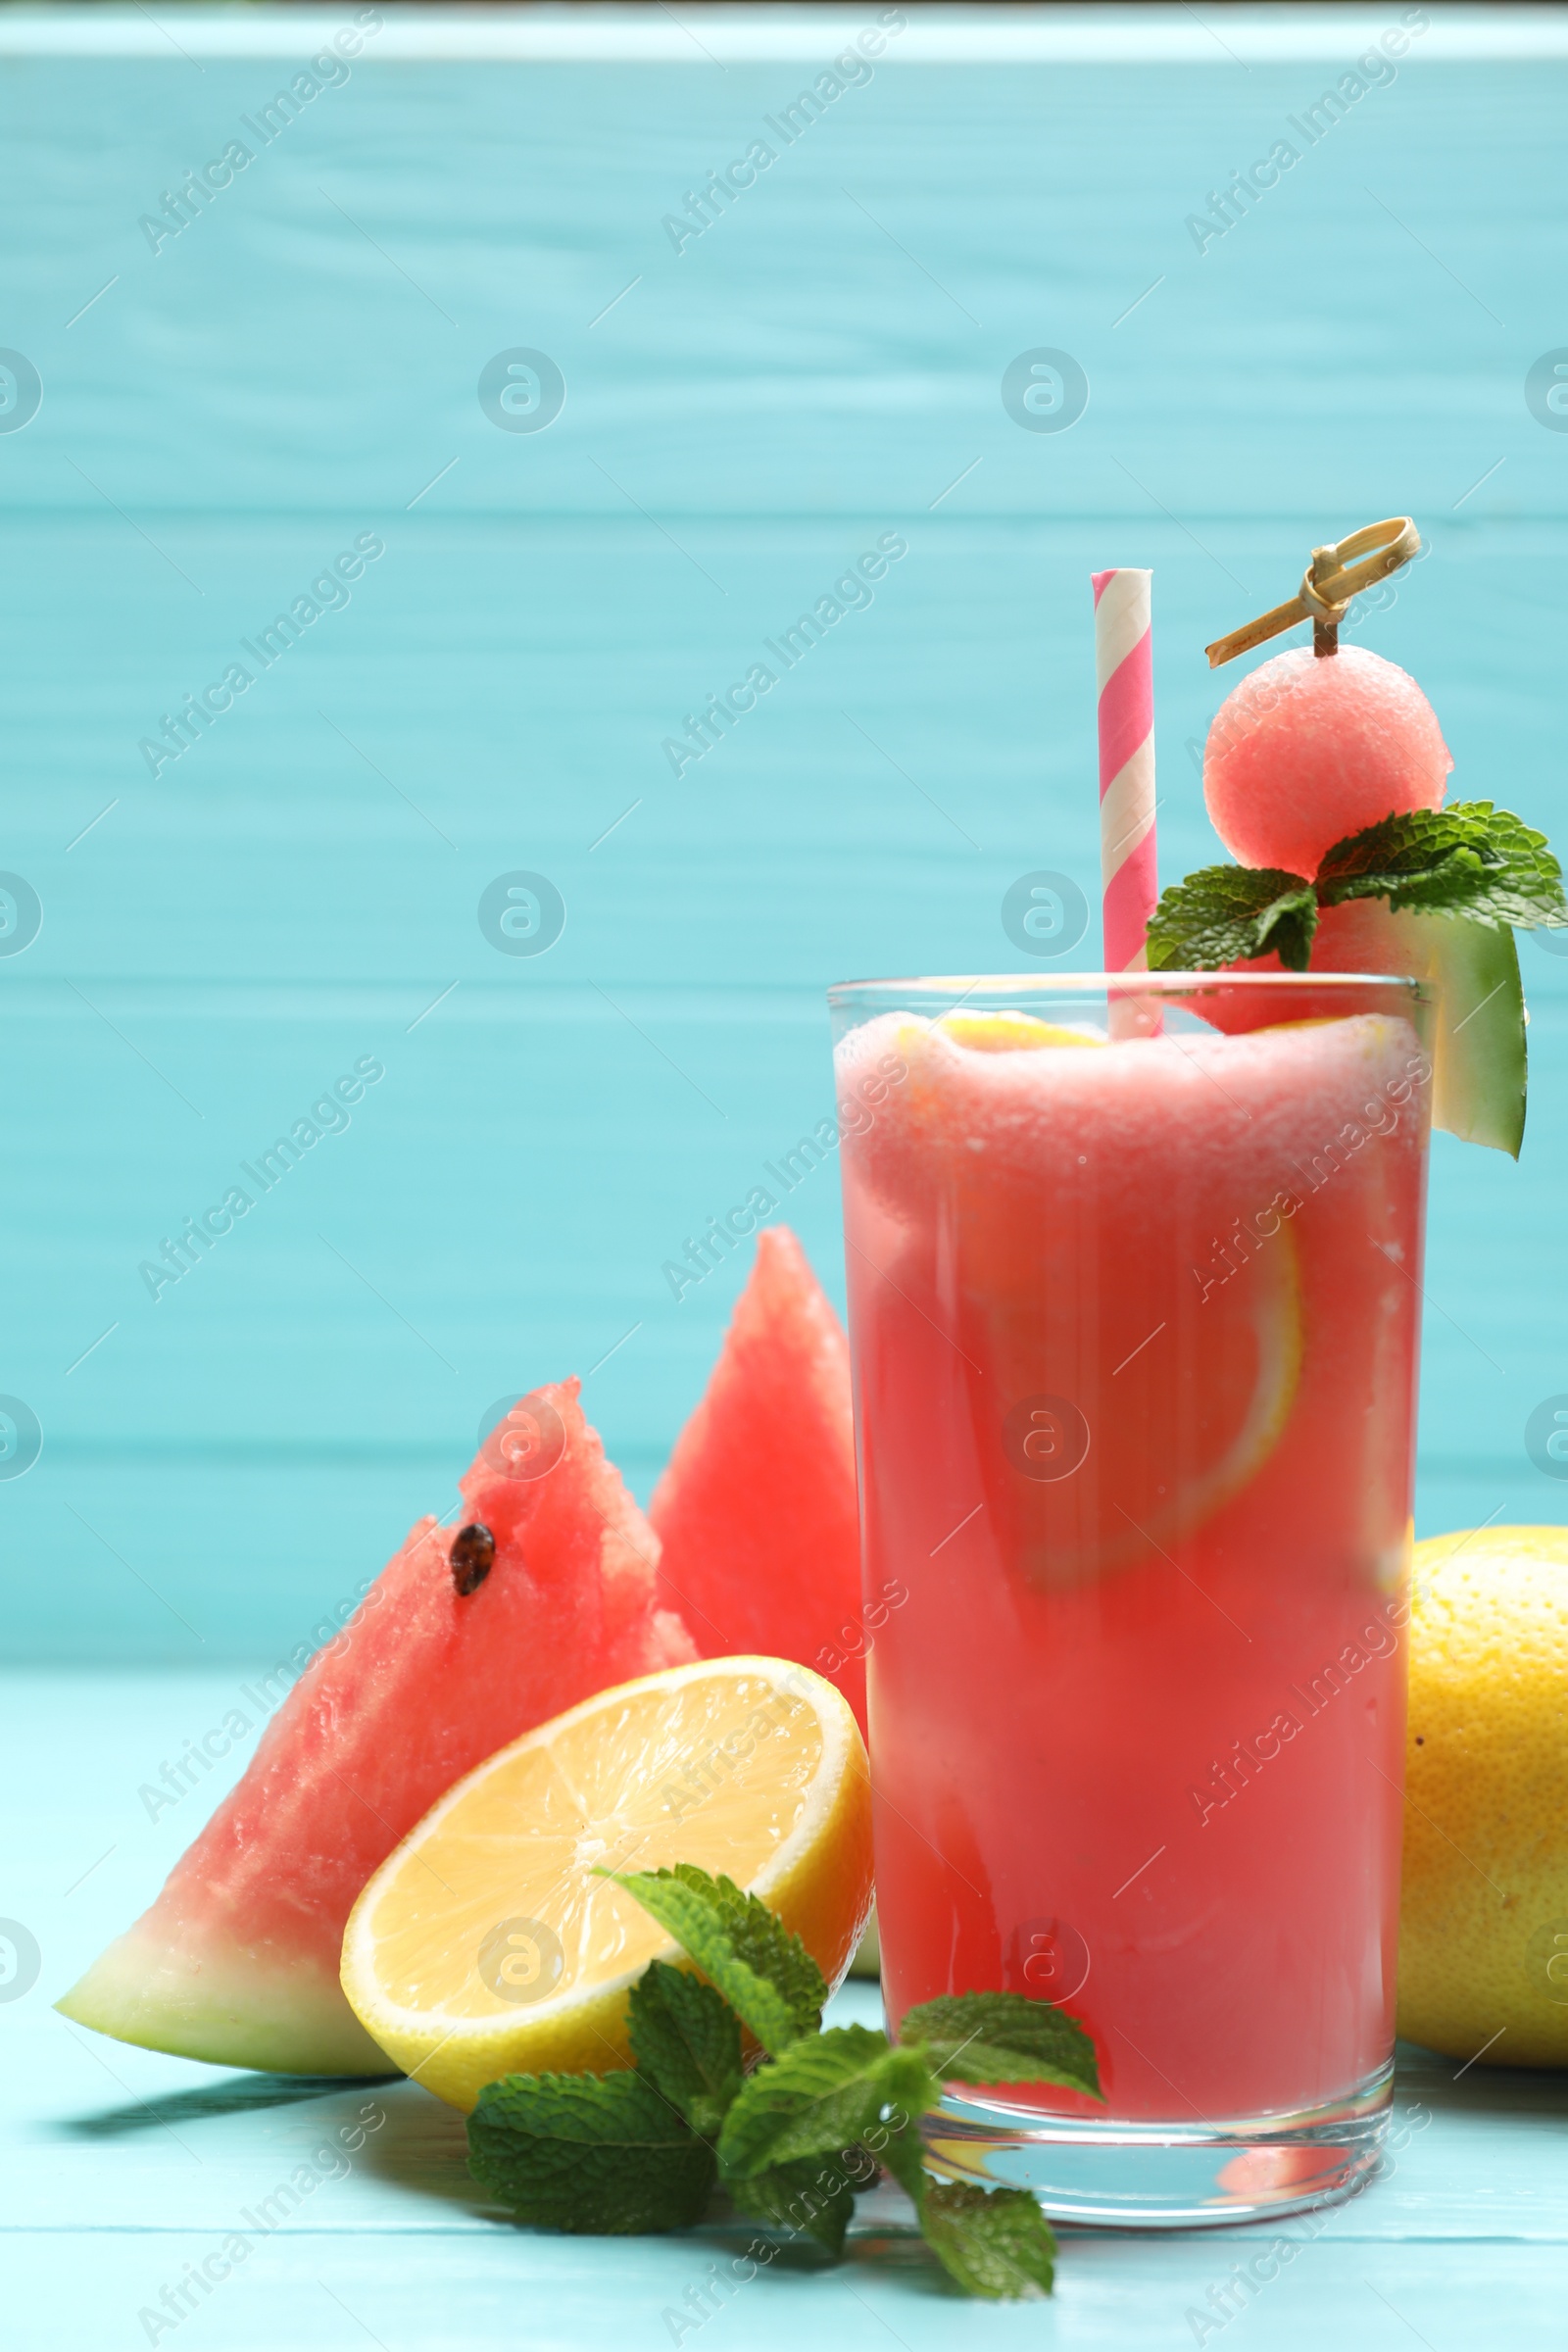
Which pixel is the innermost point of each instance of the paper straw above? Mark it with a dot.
(1124, 666)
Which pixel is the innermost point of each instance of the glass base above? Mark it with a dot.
(1165, 2175)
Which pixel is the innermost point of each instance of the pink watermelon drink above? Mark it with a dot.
(1134, 1330)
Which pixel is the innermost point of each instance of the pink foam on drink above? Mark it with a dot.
(1305, 751)
(1203, 1114)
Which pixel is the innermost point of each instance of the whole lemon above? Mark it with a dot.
(1484, 1924)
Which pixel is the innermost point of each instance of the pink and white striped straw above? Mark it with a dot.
(1124, 666)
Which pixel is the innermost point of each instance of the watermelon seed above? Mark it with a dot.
(473, 1555)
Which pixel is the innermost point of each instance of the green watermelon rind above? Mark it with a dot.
(1479, 1054)
(1481, 1060)
(201, 2002)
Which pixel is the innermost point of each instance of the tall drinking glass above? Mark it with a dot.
(1134, 1279)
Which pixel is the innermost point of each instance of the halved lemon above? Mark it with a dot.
(486, 1943)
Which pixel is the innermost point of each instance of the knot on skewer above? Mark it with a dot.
(1331, 579)
(1319, 606)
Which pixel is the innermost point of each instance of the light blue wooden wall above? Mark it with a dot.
(814, 371)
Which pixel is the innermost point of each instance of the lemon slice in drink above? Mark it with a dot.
(1009, 1032)
(1113, 1376)
(487, 1944)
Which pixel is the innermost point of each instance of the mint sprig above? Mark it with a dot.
(792, 2142)
(1471, 858)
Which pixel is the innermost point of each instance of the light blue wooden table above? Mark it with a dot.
(120, 2167)
(225, 412)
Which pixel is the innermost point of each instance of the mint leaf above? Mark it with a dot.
(594, 2154)
(1470, 859)
(822, 2097)
(687, 2038)
(995, 2242)
(764, 1972)
(1002, 2037)
(813, 2195)
(898, 2142)
(1229, 913)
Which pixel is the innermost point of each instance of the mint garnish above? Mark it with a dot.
(765, 1974)
(600, 2154)
(995, 2242)
(811, 2193)
(1004, 2038)
(1224, 914)
(1471, 860)
(824, 2096)
(687, 2040)
(792, 2142)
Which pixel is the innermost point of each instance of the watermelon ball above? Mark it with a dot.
(1307, 751)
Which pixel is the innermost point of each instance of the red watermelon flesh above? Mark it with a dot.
(756, 1511)
(237, 1960)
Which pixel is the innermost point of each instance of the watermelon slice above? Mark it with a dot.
(1480, 1065)
(1479, 1030)
(543, 1595)
(756, 1511)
